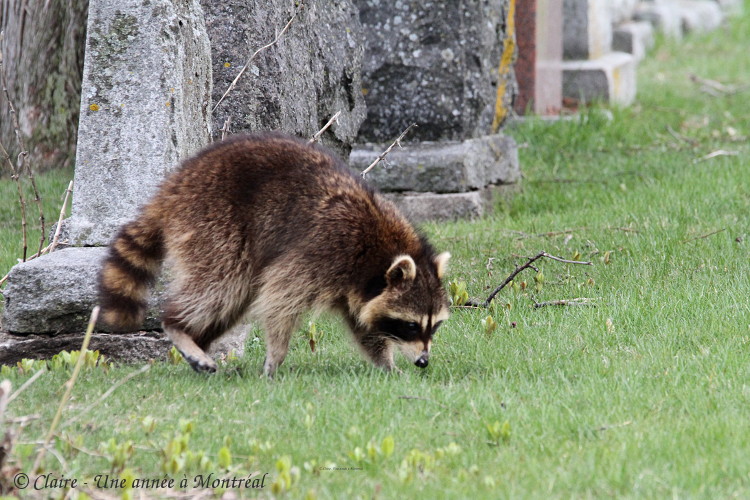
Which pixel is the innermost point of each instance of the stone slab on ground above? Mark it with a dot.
(145, 101)
(700, 15)
(424, 207)
(56, 293)
(611, 78)
(140, 346)
(664, 15)
(635, 38)
(442, 167)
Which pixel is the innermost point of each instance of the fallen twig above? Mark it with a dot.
(68, 388)
(716, 88)
(320, 132)
(681, 137)
(704, 235)
(527, 265)
(714, 154)
(382, 155)
(247, 64)
(581, 301)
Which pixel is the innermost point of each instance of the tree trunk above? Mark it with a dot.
(42, 54)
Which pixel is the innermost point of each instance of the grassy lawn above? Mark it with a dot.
(645, 394)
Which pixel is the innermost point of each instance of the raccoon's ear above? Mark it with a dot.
(402, 270)
(441, 263)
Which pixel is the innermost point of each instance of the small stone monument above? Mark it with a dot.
(448, 67)
(592, 70)
(145, 106)
(539, 68)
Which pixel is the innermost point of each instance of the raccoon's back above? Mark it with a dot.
(257, 195)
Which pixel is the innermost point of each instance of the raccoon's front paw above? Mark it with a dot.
(201, 365)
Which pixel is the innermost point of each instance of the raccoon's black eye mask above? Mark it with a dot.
(399, 329)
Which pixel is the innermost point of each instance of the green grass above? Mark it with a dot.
(645, 395)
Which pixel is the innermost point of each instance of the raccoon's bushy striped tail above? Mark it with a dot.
(133, 262)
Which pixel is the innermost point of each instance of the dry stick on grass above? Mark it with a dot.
(704, 236)
(714, 154)
(382, 155)
(320, 132)
(247, 64)
(68, 389)
(529, 264)
(22, 156)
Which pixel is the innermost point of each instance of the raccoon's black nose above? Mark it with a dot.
(421, 362)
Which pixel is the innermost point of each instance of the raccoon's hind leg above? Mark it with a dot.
(194, 355)
(278, 332)
(195, 316)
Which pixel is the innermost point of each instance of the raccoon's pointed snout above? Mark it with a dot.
(423, 360)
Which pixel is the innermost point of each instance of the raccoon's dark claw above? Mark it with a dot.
(199, 365)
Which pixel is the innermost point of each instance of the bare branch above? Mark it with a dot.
(527, 265)
(382, 155)
(247, 64)
(320, 132)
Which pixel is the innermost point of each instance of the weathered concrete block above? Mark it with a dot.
(442, 167)
(664, 15)
(634, 38)
(140, 346)
(700, 15)
(423, 207)
(446, 66)
(299, 83)
(611, 78)
(144, 106)
(587, 29)
(56, 293)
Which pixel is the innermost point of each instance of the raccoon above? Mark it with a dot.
(270, 226)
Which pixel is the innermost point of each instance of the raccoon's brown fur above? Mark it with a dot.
(272, 226)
